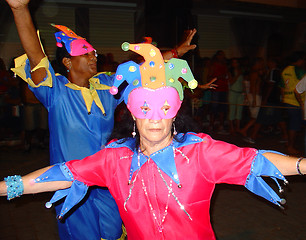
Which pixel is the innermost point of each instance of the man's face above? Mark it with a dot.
(85, 65)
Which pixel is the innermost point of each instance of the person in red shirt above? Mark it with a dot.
(219, 97)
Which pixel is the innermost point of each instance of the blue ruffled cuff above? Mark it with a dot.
(74, 194)
(262, 167)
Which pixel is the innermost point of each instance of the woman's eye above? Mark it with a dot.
(145, 109)
(166, 108)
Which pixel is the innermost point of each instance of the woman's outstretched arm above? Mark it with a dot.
(287, 165)
(29, 185)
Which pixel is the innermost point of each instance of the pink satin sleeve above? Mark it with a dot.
(222, 162)
(96, 169)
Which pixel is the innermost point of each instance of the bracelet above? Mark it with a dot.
(174, 53)
(298, 165)
(14, 186)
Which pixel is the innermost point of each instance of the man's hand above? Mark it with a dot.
(17, 4)
(28, 36)
(209, 85)
(185, 45)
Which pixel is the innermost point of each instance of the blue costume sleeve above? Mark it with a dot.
(261, 167)
(74, 194)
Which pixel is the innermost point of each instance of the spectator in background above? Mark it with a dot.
(255, 78)
(219, 96)
(245, 66)
(11, 121)
(236, 95)
(270, 114)
(10, 107)
(35, 118)
(204, 110)
(194, 98)
(299, 91)
(291, 75)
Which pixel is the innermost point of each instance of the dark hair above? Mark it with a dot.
(124, 127)
(61, 53)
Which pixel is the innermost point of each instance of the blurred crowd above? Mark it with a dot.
(23, 119)
(254, 97)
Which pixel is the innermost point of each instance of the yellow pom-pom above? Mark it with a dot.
(193, 84)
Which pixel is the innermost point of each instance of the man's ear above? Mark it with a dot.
(67, 63)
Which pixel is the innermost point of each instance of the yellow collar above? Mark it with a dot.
(90, 95)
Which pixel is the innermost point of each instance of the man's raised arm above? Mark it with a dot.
(28, 36)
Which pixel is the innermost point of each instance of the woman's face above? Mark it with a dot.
(155, 132)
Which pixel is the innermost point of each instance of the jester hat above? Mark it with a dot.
(74, 44)
(153, 90)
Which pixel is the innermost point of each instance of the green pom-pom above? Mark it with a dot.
(125, 46)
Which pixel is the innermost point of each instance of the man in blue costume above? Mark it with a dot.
(81, 118)
(81, 114)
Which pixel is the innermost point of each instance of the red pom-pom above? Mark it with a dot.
(148, 40)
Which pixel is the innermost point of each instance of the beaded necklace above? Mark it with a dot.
(175, 197)
(159, 224)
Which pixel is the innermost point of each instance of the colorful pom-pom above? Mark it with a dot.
(193, 84)
(125, 46)
(113, 90)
